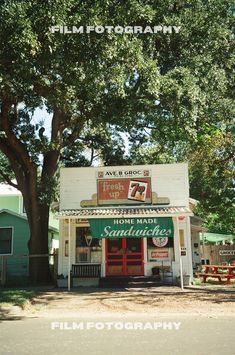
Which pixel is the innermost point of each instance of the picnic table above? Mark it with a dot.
(218, 271)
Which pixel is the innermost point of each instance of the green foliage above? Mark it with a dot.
(102, 144)
(172, 93)
(197, 282)
(212, 181)
(6, 168)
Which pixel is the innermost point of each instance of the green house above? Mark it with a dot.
(15, 234)
(12, 200)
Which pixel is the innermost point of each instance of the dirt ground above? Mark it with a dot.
(200, 300)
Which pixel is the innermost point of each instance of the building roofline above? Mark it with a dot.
(24, 218)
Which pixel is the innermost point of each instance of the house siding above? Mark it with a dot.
(11, 203)
(17, 266)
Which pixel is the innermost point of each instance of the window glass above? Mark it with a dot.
(114, 245)
(133, 245)
(5, 240)
(88, 249)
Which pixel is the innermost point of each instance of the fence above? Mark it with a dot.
(14, 269)
(218, 254)
(2, 271)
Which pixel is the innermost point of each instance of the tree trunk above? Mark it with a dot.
(39, 271)
(35, 188)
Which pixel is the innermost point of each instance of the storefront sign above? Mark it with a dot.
(113, 174)
(227, 252)
(124, 191)
(162, 254)
(132, 227)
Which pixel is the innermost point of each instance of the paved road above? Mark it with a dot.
(197, 335)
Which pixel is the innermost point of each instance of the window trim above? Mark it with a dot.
(12, 240)
(23, 208)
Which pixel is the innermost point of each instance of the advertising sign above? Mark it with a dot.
(130, 173)
(227, 252)
(132, 227)
(160, 242)
(161, 254)
(124, 191)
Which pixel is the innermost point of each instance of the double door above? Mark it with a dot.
(124, 257)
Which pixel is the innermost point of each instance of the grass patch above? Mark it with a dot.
(16, 297)
(197, 282)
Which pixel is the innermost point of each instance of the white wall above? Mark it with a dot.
(168, 180)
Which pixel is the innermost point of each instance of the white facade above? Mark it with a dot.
(170, 180)
(169, 186)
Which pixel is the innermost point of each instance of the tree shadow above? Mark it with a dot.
(6, 315)
(127, 298)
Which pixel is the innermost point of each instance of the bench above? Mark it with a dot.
(205, 275)
(213, 271)
(85, 270)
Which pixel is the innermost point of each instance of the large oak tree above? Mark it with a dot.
(174, 86)
(81, 79)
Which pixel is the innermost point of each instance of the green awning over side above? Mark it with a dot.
(132, 227)
(215, 237)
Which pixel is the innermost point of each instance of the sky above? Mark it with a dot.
(42, 115)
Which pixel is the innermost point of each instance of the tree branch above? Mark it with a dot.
(75, 133)
(51, 157)
(20, 150)
(8, 180)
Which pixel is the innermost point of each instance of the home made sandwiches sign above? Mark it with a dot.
(132, 227)
(124, 187)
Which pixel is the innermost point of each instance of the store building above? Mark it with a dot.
(123, 221)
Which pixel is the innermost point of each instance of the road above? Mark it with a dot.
(197, 335)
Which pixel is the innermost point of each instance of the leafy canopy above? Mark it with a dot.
(173, 94)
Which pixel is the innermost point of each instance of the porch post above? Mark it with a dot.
(180, 259)
(145, 251)
(69, 258)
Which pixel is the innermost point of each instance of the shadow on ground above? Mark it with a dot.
(154, 297)
(127, 299)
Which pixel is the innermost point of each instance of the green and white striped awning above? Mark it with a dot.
(122, 212)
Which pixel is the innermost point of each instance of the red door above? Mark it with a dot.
(124, 257)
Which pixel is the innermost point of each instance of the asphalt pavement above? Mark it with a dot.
(111, 335)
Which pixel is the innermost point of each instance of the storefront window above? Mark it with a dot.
(88, 249)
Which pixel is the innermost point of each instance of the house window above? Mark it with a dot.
(88, 249)
(6, 235)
